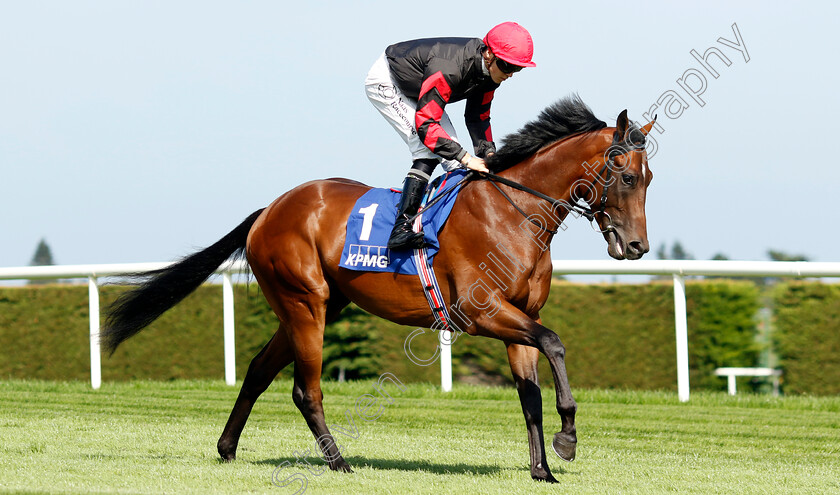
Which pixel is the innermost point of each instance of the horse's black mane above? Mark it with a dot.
(564, 118)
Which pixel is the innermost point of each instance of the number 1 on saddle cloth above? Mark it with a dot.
(370, 222)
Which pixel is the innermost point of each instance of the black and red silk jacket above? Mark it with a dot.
(437, 71)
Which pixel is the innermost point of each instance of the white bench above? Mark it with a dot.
(731, 373)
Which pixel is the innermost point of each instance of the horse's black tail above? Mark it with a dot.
(165, 288)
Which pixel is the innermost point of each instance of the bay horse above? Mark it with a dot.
(293, 247)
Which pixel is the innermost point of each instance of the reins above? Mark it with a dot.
(585, 211)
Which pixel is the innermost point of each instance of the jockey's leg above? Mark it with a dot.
(399, 111)
(403, 235)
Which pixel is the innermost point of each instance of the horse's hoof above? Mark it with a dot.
(341, 466)
(564, 446)
(228, 454)
(547, 477)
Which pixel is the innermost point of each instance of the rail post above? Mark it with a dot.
(681, 323)
(445, 339)
(230, 344)
(95, 359)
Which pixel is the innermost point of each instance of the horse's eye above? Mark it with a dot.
(628, 179)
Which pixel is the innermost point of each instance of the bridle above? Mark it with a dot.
(581, 210)
(586, 210)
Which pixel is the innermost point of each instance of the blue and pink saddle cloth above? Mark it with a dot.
(373, 216)
(369, 227)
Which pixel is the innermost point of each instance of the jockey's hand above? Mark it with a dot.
(475, 163)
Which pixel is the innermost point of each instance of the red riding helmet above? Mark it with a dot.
(512, 43)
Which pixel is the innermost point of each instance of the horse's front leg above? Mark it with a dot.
(512, 326)
(565, 441)
(523, 365)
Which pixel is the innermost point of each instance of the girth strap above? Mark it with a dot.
(431, 289)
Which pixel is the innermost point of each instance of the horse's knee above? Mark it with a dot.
(551, 345)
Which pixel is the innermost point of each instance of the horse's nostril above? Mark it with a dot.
(638, 247)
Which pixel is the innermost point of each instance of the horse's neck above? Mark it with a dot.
(555, 170)
(487, 219)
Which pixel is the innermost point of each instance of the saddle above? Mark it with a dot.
(372, 218)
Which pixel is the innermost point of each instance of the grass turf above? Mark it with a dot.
(160, 437)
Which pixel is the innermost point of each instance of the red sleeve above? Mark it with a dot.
(434, 95)
(477, 118)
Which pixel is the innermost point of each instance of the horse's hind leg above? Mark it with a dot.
(276, 355)
(308, 341)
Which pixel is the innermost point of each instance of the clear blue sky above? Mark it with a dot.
(140, 131)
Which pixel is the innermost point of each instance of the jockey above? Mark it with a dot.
(411, 83)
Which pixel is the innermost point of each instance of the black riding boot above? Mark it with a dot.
(403, 237)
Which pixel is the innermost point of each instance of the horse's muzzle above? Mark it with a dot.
(619, 249)
(636, 249)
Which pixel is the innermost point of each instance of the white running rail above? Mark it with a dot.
(95, 272)
(678, 269)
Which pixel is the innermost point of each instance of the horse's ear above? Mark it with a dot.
(646, 129)
(621, 124)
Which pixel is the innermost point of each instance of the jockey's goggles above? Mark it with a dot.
(507, 67)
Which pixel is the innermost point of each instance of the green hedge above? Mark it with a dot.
(622, 336)
(44, 334)
(617, 336)
(807, 337)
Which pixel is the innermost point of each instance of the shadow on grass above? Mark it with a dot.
(388, 464)
(558, 468)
